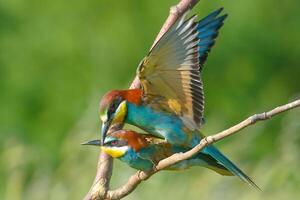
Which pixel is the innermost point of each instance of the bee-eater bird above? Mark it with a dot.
(170, 103)
(143, 152)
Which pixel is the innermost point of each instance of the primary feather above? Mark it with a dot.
(170, 74)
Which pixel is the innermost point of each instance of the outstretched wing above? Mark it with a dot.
(170, 74)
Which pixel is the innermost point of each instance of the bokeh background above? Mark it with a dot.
(58, 57)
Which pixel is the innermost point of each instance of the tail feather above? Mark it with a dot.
(216, 154)
(209, 162)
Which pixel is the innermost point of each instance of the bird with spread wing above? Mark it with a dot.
(170, 103)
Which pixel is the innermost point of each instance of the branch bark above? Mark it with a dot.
(99, 189)
(175, 12)
(102, 179)
(140, 176)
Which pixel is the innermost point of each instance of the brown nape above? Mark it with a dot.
(133, 96)
(134, 140)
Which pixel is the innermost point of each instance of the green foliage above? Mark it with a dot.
(59, 57)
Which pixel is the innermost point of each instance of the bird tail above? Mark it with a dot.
(216, 154)
(209, 162)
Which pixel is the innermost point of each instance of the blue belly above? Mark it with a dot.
(136, 162)
(161, 124)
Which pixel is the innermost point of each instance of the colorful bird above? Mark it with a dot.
(170, 103)
(143, 152)
(171, 97)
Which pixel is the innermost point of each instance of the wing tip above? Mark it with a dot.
(209, 28)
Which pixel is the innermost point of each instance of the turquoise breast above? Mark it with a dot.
(136, 162)
(160, 124)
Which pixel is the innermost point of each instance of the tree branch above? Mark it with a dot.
(175, 12)
(102, 179)
(140, 176)
(104, 169)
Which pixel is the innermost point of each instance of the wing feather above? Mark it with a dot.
(170, 73)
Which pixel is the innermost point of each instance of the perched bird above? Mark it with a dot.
(143, 152)
(170, 103)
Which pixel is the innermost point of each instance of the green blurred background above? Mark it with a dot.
(58, 57)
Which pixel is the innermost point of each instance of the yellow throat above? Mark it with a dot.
(115, 152)
(120, 113)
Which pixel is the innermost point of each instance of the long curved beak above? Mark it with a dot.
(105, 127)
(93, 143)
(116, 119)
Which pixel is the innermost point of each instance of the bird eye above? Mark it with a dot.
(114, 143)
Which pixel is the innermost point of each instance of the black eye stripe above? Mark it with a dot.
(114, 143)
(117, 143)
(115, 105)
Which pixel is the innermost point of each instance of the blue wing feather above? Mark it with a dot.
(208, 29)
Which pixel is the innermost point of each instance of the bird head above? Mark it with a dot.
(118, 143)
(115, 147)
(113, 108)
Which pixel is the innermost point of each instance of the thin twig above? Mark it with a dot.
(140, 176)
(104, 169)
(175, 12)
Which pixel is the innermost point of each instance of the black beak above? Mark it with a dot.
(93, 143)
(105, 127)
